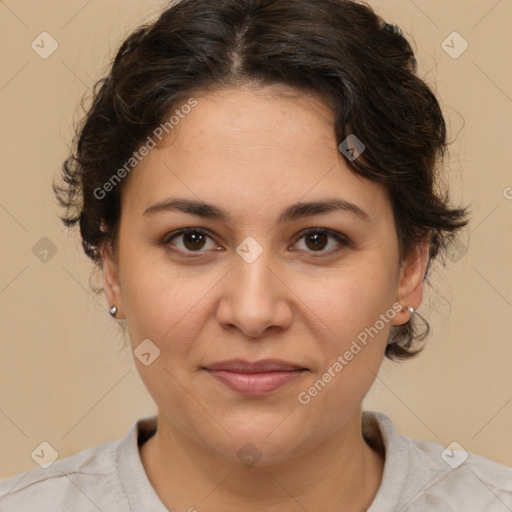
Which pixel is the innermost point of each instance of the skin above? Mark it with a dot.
(253, 152)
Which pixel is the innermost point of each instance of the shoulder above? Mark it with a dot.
(461, 479)
(84, 481)
(425, 475)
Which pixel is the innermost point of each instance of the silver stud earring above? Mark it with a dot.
(411, 310)
(113, 311)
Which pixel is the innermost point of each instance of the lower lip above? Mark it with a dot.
(254, 384)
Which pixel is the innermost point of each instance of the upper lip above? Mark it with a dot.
(262, 366)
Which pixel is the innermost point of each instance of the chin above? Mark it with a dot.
(261, 441)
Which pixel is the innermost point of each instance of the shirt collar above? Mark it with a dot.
(377, 428)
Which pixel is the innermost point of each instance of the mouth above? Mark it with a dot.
(255, 378)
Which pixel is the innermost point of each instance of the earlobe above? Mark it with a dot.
(410, 285)
(111, 284)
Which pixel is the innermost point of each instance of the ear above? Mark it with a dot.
(111, 281)
(410, 280)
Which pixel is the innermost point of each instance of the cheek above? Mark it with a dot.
(156, 298)
(351, 338)
(163, 302)
(345, 301)
(170, 307)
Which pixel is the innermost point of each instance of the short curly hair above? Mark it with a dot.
(339, 50)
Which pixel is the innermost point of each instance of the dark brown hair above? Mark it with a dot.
(339, 50)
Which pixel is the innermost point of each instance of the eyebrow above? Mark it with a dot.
(293, 212)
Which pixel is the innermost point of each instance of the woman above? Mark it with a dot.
(257, 181)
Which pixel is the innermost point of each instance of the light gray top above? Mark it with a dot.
(418, 476)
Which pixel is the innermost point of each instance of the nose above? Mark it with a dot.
(254, 299)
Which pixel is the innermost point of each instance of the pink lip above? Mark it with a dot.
(255, 378)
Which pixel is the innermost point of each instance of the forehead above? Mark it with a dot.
(248, 147)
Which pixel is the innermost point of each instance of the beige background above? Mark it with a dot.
(65, 377)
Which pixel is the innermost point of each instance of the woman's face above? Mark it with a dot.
(260, 283)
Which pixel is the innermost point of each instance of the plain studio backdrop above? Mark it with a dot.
(65, 378)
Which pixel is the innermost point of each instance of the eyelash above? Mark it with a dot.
(341, 239)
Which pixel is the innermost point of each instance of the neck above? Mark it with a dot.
(343, 473)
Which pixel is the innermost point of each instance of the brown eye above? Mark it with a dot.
(189, 240)
(316, 240)
(193, 241)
